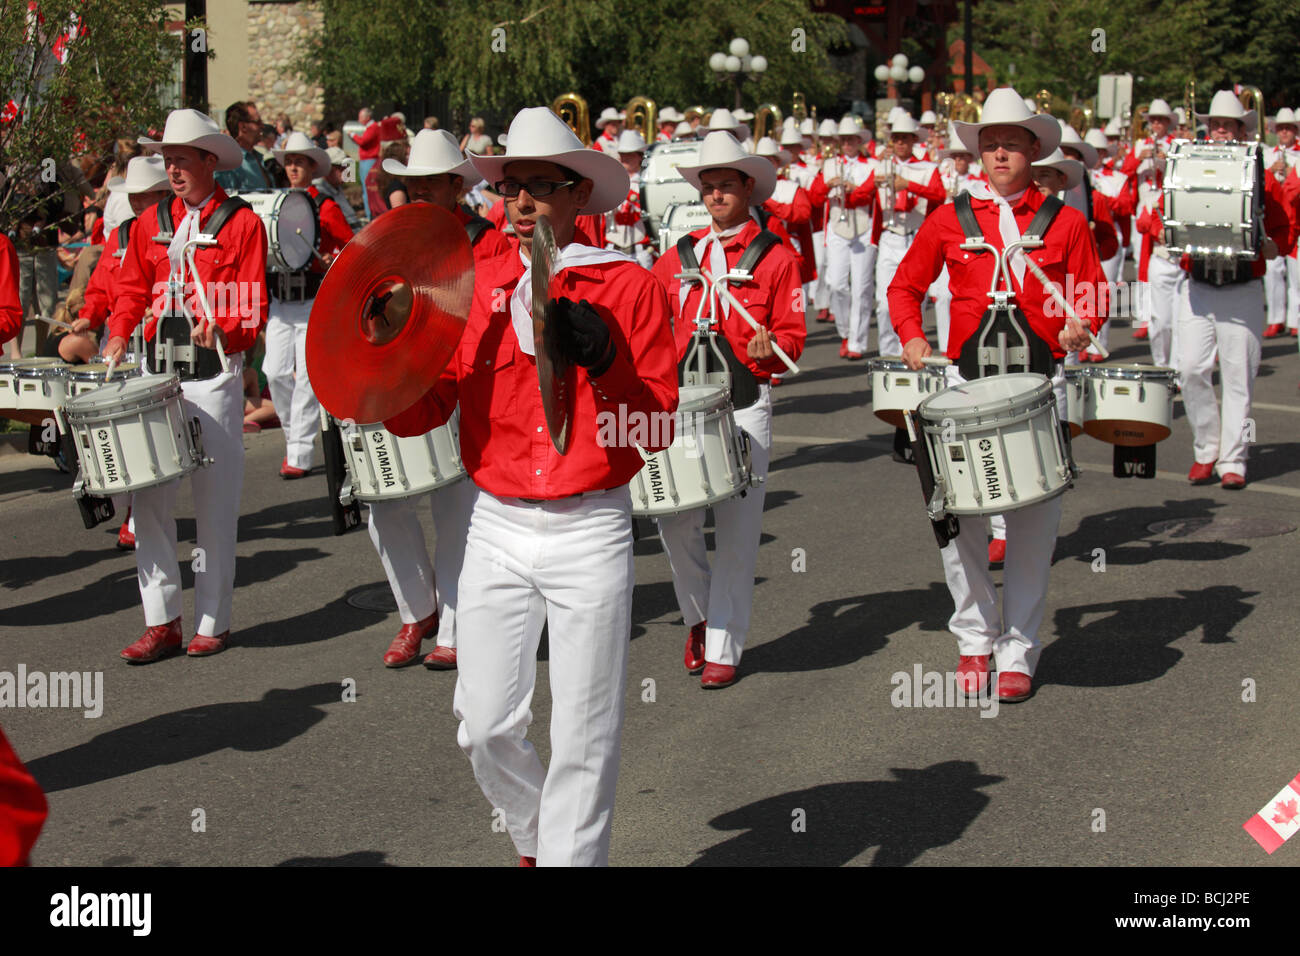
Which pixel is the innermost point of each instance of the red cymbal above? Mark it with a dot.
(390, 313)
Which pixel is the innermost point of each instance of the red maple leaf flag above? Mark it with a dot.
(1278, 819)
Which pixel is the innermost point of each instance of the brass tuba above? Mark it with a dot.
(1252, 98)
(964, 109)
(572, 108)
(1044, 100)
(769, 114)
(695, 112)
(641, 114)
(798, 108)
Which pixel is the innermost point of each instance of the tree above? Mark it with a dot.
(79, 75)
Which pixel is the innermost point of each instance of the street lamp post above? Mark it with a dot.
(737, 66)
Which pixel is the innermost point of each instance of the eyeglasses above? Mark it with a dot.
(537, 188)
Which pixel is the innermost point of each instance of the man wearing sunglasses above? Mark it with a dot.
(244, 123)
(550, 537)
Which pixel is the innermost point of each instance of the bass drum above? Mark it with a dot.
(662, 185)
(292, 226)
(1213, 199)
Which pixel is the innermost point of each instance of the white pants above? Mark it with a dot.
(218, 404)
(1163, 291)
(285, 367)
(1275, 283)
(820, 297)
(1230, 319)
(892, 249)
(419, 587)
(1110, 269)
(1292, 292)
(850, 275)
(567, 563)
(942, 308)
(1010, 634)
(723, 595)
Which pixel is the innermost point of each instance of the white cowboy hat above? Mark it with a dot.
(1097, 140)
(1285, 115)
(1072, 139)
(1159, 107)
(537, 133)
(955, 146)
(1071, 169)
(894, 113)
(767, 146)
(725, 120)
(848, 127)
(337, 156)
(1030, 104)
(790, 123)
(192, 128)
(144, 174)
(806, 128)
(433, 152)
(828, 127)
(743, 116)
(927, 118)
(608, 115)
(903, 123)
(1005, 107)
(670, 115)
(1225, 105)
(791, 137)
(684, 130)
(1180, 116)
(721, 151)
(630, 141)
(297, 142)
(1112, 128)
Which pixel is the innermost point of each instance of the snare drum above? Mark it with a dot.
(896, 389)
(283, 212)
(133, 434)
(1129, 404)
(1212, 199)
(33, 384)
(995, 444)
(707, 462)
(381, 466)
(1074, 398)
(88, 377)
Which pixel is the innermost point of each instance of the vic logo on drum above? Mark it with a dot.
(992, 482)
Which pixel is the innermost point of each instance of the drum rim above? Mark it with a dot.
(94, 405)
(1028, 401)
(1134, 372)
(82, 373)
(14, 366)
(41, 372)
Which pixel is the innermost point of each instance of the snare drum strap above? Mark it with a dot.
(224, 213)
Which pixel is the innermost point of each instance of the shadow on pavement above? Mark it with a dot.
(920, 810)
(1123, 534)
(356, 858)
(331, 620)
(1273, 460)
(248, 726)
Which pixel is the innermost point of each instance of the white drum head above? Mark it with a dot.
(987, 394)
(128, 391)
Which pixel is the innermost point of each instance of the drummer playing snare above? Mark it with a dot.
(1008, 141)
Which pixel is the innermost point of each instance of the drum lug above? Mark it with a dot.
(934, 508)
(196, 433)
(346, 496)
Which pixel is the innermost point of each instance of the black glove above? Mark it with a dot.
(581, 336)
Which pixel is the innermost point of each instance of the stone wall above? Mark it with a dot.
(276, 32)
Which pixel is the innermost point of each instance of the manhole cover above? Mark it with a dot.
(374, 599)
(1220, 528)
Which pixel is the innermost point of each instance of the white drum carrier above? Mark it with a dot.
(381, 466)
(996, 444)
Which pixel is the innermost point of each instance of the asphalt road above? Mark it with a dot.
(1137, 747)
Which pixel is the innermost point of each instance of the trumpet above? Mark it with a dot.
(572, 108)
(1044, 100)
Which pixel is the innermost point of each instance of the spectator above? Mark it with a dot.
(477, 140)
(283, 127)
(367, 152)
(317, 135)
(274, 171)
(334, 139)
(244, 123)
(431, 122)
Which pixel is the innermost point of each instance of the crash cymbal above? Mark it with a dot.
(555, 375)
(390, 313)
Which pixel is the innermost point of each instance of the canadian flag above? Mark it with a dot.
(1279, 818)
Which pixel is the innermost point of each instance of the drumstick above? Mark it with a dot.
(59, 323)
(207, 309)
(112, 367)
(313, 252)
(719, 284)
(936, 361)
(1060, 300)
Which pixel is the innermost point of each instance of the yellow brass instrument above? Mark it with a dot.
(769, 114)
(1138, 127)
(572, 108)
(798, 109)
(816, 136)
(1044, 100)
(695, 112)
(1189, 105)
(641, 114)
(1252, 98)
(1081, 119)
(964, 109)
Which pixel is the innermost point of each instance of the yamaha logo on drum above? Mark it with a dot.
(656, 478)
(986, 445)
(383, 460)
(992, 478)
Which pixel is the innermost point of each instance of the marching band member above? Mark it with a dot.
(684, 131)
(716, 603)
(668, 120)
(846, 187)
(828, 133)
(427, 594)
(1164, 280)
(1009, 139)
(292, 297)
(1112, 184)
(331, 185)
(610, 124)
(910, 190)
(193, 149)
(958, 176)
(1223, 312)
(625, 228)
(1145, 168)
(925, 138)
(790, 203)
(1281, 275)
(1119, 153)
(801, 172)
(550, 539)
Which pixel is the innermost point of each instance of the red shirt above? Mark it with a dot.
(504, 442)
(796, 216)
(1069, 251)
(100, 290)
(367, 142)
(11, 309)
(490, 242)
(774, 297)
(233, 272)
(497, 214)
(22, 808)
(334, 229)
(1103, 225)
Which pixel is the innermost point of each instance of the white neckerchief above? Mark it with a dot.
(1007, 227)
(521, 300)
(711, 242)
(187, 230)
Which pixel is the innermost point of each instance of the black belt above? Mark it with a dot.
(580, 494)
(294, 287)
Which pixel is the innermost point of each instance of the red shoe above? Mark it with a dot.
(1233, 481)
(441, 659)
(1273, 331)
(528, 861)
(203, 646)
(1013, 687)
(844, 348)
(287, 471)
(1294, 333)
(125, 537)
(824, 315)
(161, 640)
(1141, 333)
(717, 675)
(997, 550)
(1201, 474)
(694, 658)
(973, 674)
(405, 648)
(853, 356)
